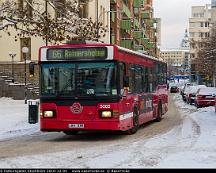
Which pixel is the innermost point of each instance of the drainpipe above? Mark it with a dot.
(97, 19)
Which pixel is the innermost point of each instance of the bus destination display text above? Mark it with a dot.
(77, 53)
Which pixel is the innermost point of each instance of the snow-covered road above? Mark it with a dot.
(191, 144)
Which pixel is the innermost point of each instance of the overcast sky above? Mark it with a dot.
(175, 16)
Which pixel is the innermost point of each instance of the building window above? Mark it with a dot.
(198, 15)
(25, 42)
(213, 3)
(59, 8)
(29, 8)
(83, 11)
(20, 5)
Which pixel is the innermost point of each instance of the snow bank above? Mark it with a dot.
(14, 119)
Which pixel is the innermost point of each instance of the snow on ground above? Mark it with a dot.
(197, 146)
(190, 145)
(14, 119)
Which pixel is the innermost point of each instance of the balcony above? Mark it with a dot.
(144, 41)
(136, 24)
(138, 47)
(126, 24)
(150, 45)
(113, 16)
(138, 34)
(150, 23)
(145, 15)
(126, 11)
(127, 43)
(138, 3)
(113, 39)
(136, 11)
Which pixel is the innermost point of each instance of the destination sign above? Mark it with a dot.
(85, 53)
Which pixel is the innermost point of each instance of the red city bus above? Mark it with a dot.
(99, 87)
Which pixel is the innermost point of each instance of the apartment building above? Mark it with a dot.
(199, 28)
(177, 61)
(133, 25)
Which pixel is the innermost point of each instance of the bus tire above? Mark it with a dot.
(159, 116)
(135, 127)
(71, 132)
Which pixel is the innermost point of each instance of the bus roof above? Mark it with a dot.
(139, 54)
(104, 44)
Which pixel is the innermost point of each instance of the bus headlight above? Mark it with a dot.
(48, 114)
(106, 114)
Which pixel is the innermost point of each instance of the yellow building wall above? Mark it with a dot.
(8, 43)
(103, 13)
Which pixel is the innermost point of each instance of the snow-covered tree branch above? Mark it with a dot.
(62, 23)
(205, 62)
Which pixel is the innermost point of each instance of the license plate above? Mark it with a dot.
(208, 96)
(73, 126)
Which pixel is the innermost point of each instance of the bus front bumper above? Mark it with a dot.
(54, 125)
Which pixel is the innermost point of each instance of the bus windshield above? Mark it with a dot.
(78, 79)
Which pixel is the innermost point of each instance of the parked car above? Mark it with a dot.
(183, 90)
(215, 104)
(190, 93)
(205, 97)
(174, 89)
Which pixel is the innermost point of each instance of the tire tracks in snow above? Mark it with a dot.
(185, 136)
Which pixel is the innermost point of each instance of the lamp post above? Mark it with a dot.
(25, 50)
(12, 55)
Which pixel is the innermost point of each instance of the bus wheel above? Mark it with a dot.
(70, 132)
(159, 117)
(135, 127)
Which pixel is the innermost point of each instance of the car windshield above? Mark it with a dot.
(80, 79)
(194, 89)
(207, 91)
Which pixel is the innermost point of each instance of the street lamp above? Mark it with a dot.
(25, 50)
(12, 55)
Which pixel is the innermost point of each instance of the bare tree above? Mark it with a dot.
(31, 18)
(206, 57)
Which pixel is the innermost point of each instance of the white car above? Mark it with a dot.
(190, 93)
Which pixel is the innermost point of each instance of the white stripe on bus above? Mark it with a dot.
(126, 116)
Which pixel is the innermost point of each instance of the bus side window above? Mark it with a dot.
(121, 76)
(138, 79)
(146, 79)
(131, 73)
(143, 73)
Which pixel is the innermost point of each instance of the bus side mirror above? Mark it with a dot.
(126, 81)
(31, 69)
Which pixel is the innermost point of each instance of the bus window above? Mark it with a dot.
(144, 80)
(149, 79)
(131, 73)
(58, 79)
(138, 79)
(121, 77)
(96, 79)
